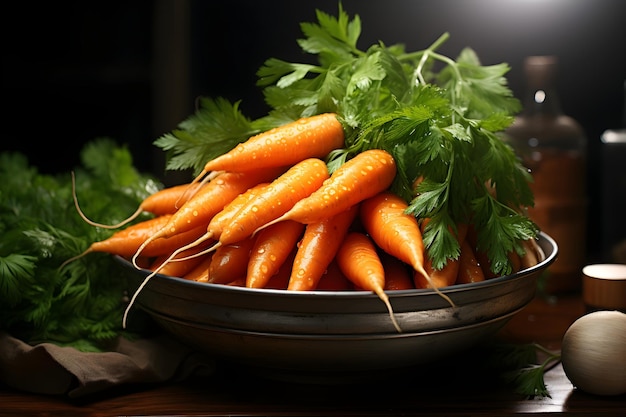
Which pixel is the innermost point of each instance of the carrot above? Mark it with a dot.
(439, 278)
(239, 282)
(358, 260)
(363, 176)
(309, 137)
(221, 219)
(280, 280)
(199, 210)
(394, 231)
(230, 261)
(179, 265)
(333, 279)
(397, 275)
(397, 233)
(275, 199)
(125, 242)
(318, 248)
(470, 269)
(208, 201)
(165, 201)
(201, 272)
(165, 245)
(271, 248)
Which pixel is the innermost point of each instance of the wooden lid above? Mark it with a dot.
(604, 286)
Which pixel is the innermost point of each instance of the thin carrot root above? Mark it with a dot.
(201, 179)
(385, 298)
(142, 247)
(87, 220)
(157, 270)
(358, 259)
(208, 250)
(436, 288)
(397, 233)
(74, 258)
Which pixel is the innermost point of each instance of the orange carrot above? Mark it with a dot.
(201, 272)
(317, 249)
(280, 280)
(239, 282)
(271, 248)
(230, 262)
(358, 260)
(125, 242)
(275, 199)
(439, 278)
(199, 210)
(179, 265)
(397, 275)
(165, 201)
(334, 280)
(397, 233)
(165, 245)
(221, 219)
(394, 231)
(309, 137)
(363, 176)
(469, 268)
(208, 201)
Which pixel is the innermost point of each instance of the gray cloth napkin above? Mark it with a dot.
(50, 369)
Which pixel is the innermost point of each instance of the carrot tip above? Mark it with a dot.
(434, 287)
(134, 297)
(96, 224)
(383, 296)
(74, 258)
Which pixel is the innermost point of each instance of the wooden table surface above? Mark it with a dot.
(449, 391)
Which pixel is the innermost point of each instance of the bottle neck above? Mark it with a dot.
(541, 97)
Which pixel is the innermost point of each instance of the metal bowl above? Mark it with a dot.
(337, 329)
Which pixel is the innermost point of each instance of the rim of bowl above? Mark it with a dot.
(336, 336)
(549, 247)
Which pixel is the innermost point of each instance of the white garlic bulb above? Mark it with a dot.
(593, 353)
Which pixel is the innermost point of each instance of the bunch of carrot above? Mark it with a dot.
(269, 215)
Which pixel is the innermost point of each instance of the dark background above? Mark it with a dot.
(131, 70)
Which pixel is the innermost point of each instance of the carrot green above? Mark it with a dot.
(79, 305)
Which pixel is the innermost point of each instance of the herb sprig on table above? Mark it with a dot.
(82, 304)
(441, 118)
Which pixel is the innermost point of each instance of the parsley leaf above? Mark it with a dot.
(217, 122)
(81, 305)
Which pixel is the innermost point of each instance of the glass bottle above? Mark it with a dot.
(552, 146)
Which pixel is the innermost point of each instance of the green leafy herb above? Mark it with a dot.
(82, 304)
(519, 366)
(441, 119)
